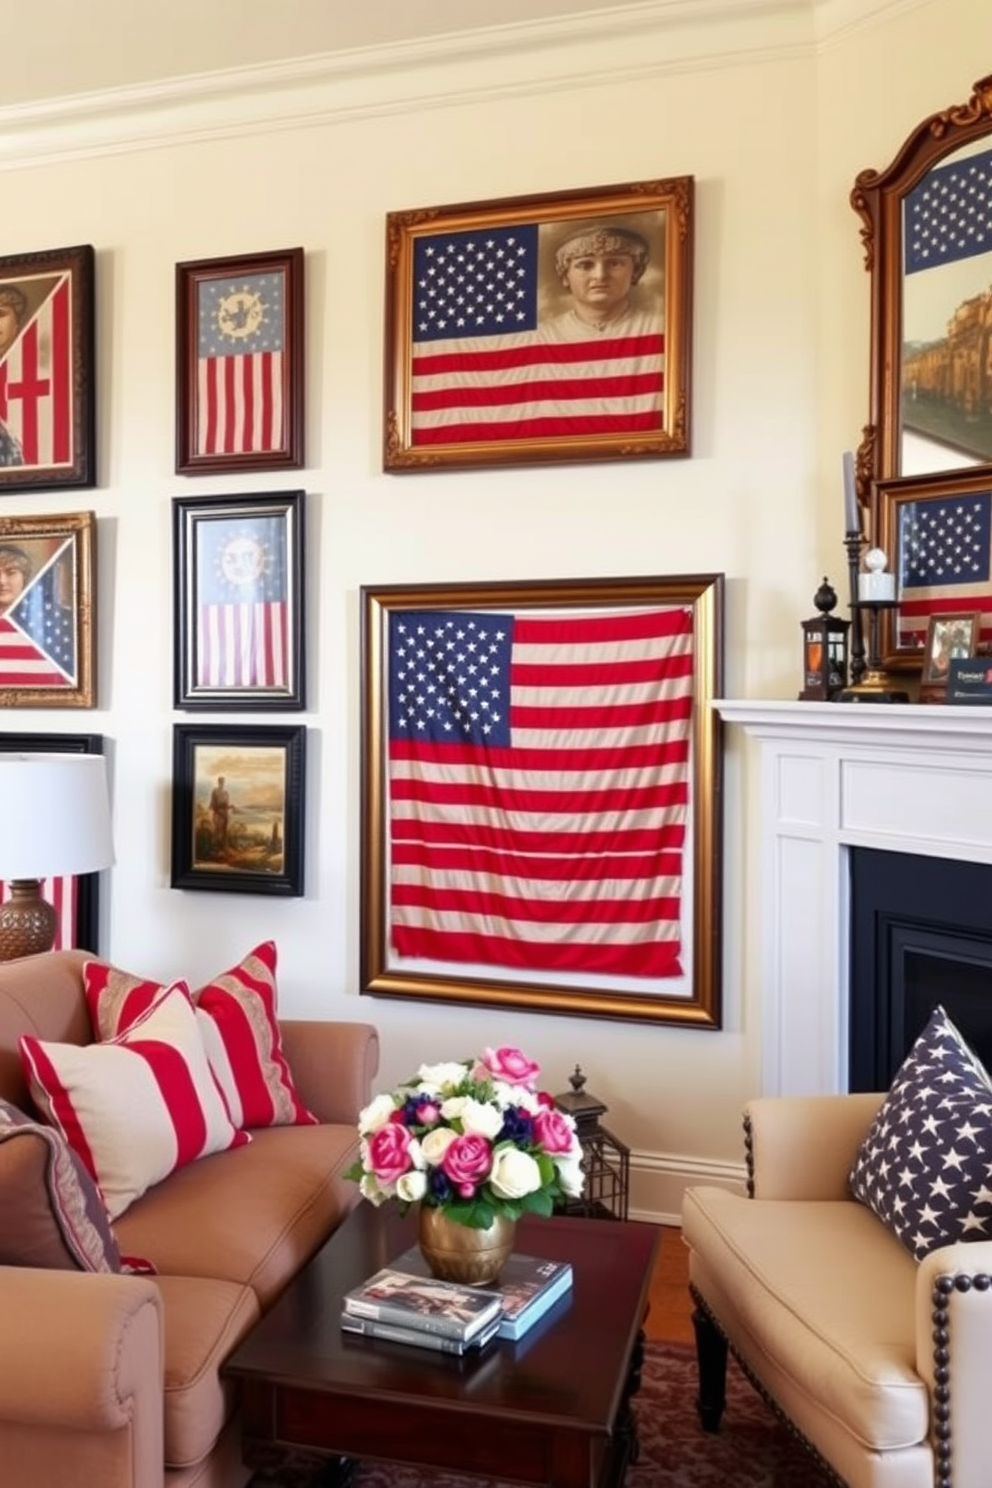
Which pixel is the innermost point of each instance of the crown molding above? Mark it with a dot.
(619, 44)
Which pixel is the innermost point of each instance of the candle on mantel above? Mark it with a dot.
(876, 586)
(852, 516)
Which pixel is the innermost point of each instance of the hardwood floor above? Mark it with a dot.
(670, 1318)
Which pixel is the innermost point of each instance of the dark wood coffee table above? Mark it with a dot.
(551, 1409)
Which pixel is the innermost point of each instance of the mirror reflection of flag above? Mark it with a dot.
(38, 633)
(481, 370)
(944, 550)
(242, 611)
(538, 788)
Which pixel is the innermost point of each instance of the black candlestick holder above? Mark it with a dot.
(853, 542)
(873, 684)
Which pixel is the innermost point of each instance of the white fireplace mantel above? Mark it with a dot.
(907, 778)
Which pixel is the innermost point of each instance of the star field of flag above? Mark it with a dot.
(475, 283)
(925, 1166)
(945, 542)
(450, 678)
(263, 289)
(949, 214)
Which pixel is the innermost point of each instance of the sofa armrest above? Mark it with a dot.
(958, 1318)
(804, 1146)
(333, 1065)
(82, 1357)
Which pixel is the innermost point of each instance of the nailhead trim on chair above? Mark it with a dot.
(770, 1400)
(942, 1289)
(749, 1155)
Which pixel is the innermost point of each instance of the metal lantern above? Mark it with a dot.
(605, 1159)
(825, 643)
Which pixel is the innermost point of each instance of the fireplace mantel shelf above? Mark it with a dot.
(907, 778)
(908, 725)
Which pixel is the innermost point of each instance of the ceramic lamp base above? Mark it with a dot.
(27, 922)
(454, 1252)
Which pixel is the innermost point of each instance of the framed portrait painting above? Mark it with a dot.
(75, 898)
(239, 602)
(47, 611)
(541, 773)
(47, 400)
(239, 363)
(238, 808)
(937, 532)
(540, 329)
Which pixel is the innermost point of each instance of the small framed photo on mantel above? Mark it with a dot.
(239, 363)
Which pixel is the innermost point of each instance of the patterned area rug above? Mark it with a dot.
(751, 1450)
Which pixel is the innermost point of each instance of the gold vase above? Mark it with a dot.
(455, 1252)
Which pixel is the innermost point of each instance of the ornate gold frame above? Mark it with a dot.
(48, 633)
(695, 997)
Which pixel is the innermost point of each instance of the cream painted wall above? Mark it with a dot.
(780, 359)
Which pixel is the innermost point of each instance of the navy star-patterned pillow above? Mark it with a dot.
(925, 1166)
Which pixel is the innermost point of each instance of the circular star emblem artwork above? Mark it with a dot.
(243, 560)
(240, 313)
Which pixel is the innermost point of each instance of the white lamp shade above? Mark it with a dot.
(54, 815)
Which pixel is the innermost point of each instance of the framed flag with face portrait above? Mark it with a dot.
(540, 329)
(239, 363)
(47, 403)
(47, 611)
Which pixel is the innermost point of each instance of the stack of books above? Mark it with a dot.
(405, 1307)
(405, 1304)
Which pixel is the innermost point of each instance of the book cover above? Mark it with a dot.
(401, 1296)
(527, 1285)
(418, 1337)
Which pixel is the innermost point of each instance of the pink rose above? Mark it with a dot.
(467, 1161)
(553, 1130)
(510, 1065)
(389, 1152)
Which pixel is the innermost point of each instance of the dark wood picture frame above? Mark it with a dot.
(47, 382)
(48, 611)
(460, 883)
(540, 328)
(239, 602)
(240, 363)
(84, 887)
(251, 839)
(916, 373)
(936, 531)
(950, 635)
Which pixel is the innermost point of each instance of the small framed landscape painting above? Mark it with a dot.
(238, 809)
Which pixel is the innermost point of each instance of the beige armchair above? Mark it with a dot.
(880, 1362)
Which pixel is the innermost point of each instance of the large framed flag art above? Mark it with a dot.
(239, 363)
(540, 329)
(47, 401)
(541, 796)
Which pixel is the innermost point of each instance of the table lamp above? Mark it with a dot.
(54, 823)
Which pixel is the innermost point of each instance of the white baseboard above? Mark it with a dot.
(659, 1179)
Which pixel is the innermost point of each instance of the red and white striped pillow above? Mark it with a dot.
(236, 1015)
(137, 1107)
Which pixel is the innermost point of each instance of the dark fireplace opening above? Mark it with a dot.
(921, 935)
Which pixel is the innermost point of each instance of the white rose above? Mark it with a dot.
(375, 1114)
(452, 1108)
(527, 1100)
(434, 1077)
(514, 1173)
(571, 1176)
(436, 1143)
(411, 1186)
(481, 1119)
(369, 1189)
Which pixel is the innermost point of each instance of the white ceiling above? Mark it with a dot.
(68, 47)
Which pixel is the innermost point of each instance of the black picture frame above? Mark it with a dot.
(47, 336)
(240, 363)
(239, 602)
(85, 886)
(211, 849)
(473, 835)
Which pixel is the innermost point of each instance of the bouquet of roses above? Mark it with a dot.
(473, 1137)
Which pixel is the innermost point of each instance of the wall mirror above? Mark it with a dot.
(927, 234)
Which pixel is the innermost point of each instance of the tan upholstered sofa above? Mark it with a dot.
(113, 1381)
(881, 1362)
